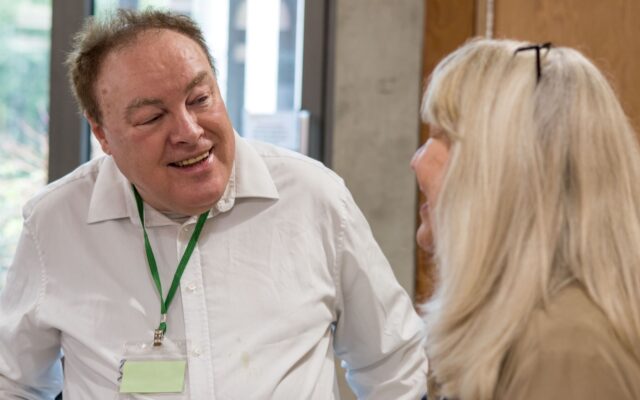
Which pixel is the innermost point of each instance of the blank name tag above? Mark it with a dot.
(153, 376)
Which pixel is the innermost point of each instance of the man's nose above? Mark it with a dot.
(186, 129)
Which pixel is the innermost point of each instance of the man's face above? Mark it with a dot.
(164, 122)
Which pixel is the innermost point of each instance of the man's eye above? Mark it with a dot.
(151, 120)
(200, 100)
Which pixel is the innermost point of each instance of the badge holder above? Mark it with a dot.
(154, 372)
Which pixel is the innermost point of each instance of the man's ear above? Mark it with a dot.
(98, 132)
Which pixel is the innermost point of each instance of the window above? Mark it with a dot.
(25, 29)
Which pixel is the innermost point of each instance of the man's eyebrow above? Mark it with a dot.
(141, 102)
(196, 81)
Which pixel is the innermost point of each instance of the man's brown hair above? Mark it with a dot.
(99, 36)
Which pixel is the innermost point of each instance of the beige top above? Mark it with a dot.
(569, 351)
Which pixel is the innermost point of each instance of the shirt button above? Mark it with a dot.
(191, 287)
(196, 351)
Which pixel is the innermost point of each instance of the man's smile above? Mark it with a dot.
(191, 161)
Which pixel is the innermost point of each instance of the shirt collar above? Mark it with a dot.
(112, 197)
(253, 178)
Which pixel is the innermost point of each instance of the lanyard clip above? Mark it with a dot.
(158, 334)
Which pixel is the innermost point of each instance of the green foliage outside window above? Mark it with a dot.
(24, 116)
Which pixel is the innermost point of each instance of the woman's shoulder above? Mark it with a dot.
(571, 322)
(569, 349)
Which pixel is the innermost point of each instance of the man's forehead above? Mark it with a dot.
(150, 36)
(126, 86)
(176, 60)
(153, 47)
(203, 77)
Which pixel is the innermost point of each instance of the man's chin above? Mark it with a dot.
(193, 200)
(194, 208)
(184, 204)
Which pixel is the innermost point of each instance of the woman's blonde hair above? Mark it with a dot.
(542, 188)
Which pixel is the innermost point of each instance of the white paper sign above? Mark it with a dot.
(287, 129)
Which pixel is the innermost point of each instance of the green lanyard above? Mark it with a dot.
(164, 304)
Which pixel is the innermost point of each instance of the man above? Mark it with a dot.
(189, 260)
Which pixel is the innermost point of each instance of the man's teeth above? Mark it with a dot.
(191, 161)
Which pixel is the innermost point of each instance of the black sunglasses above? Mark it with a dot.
(537, 48)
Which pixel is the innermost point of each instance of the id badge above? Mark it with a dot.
(154, 372)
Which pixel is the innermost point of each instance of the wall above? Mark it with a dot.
(376, 92)
(376, 72)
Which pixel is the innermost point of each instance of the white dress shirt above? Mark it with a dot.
(285, 274)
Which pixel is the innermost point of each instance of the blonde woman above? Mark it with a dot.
(532, 180)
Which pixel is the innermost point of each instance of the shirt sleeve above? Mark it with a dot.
(30, 353)
(378, 334)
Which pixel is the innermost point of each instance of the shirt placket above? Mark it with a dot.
(196, 322)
